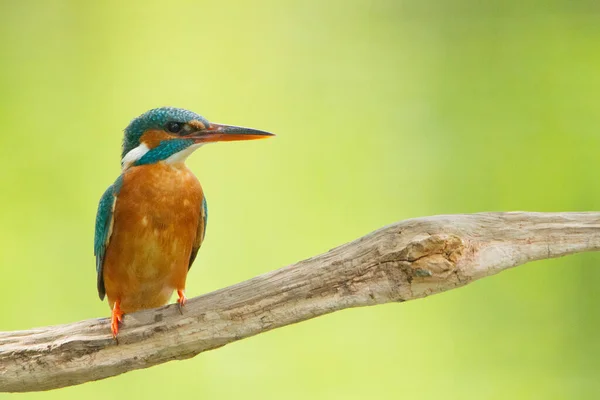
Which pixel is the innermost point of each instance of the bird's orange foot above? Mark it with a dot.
(181, 299)
(116, 317)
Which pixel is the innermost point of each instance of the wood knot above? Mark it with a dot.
(431, 255)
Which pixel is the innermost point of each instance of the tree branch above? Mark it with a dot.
(404, 261)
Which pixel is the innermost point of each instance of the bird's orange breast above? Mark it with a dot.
(156, 220)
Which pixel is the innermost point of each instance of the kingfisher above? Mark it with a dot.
(152, 220)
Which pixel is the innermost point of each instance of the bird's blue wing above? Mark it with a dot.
(104, 225)
(201, 231)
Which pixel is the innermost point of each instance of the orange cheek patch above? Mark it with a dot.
(152, 138)
(197, 124)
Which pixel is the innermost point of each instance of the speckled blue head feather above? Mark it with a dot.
(155, 119)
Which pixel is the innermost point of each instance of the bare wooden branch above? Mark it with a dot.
(404, 261)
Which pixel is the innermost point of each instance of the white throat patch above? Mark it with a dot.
(183, 154)
(134, 155)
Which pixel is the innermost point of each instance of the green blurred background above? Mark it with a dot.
(384, 110)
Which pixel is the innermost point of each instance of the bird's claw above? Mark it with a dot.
(115, 318)
(181, 299)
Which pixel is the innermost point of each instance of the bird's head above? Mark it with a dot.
(172, 134)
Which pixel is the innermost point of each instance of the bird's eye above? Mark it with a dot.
(174, 127)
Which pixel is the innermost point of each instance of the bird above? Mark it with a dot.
(151, 221)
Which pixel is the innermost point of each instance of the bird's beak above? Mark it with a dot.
(227, 133)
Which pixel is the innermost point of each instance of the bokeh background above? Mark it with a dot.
(384, 110)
